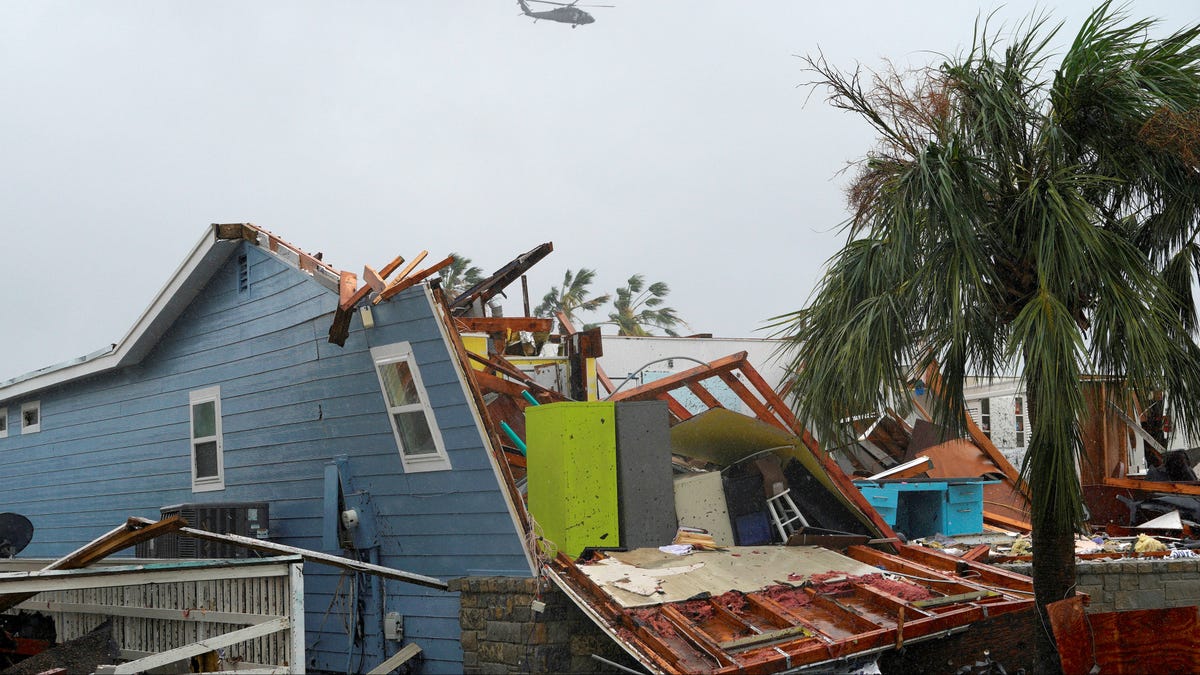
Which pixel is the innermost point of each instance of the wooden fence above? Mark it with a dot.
(249, 612)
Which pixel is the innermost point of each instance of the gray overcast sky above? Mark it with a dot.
(668, 138)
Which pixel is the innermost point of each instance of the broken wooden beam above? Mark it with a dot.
(406, 653)
(652, 390)
(488, 288)
(134, 531)
(410, 281)
(601, 376)
(501, 365)
(311, 556)
(502, 324)
(489, 382)
(339, 330)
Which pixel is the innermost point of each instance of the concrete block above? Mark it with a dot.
(505, 631)
(514, 654)
(1150, 581)
(559, 632)
(472, 619)
(490, 652)
(1182, 590)
(1112, 582)
(1149, 599)
(1179, 566)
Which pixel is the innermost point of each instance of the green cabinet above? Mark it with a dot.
(572, 474)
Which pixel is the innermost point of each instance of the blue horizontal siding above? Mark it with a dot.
(117, 445)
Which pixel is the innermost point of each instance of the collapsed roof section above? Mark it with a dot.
(743, 608)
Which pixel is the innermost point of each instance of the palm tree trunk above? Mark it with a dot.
(1053, 580)
(1053, 565)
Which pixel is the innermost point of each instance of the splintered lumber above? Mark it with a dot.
(412, 264)
(486, 289)
(502, 324)
(339, 330)
(501, 365)
(601, 376)
(134, 531)
(697, 540)
(398, 659)
(347, 284)
(311, 556)
(373, 279)
(490, 382)
(410, 281)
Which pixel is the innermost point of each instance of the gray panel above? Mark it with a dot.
(646, 500)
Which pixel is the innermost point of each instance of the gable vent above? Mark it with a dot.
(243, 272)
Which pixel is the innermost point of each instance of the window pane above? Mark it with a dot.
(4, 422)
(206, 459)
(29, 417)
(398, 383)
(204, 419)
(414, 433)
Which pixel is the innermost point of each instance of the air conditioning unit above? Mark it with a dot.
(249, 519)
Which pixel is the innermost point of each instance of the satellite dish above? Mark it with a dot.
(15, 534)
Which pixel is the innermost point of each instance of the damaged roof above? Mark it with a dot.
(755, 609)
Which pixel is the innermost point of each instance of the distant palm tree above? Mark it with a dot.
(639, 307)
(571, 297)
(460, 275)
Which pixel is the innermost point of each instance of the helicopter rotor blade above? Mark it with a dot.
(567, 4)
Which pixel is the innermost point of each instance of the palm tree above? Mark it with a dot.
(571, 297)
(460, 275)
(639, 307)
(1014, 217)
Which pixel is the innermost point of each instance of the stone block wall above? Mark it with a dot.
(501, 633)
(1136, 583)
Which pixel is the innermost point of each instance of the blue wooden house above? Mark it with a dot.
(228, 390)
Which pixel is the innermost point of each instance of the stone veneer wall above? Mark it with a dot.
(1145, 583)
(502, 634)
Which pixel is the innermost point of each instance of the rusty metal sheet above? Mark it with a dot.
(1137, 641)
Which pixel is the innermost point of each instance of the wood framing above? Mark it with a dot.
(503, 324)
(398, 286)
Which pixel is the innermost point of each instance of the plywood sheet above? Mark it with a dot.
(645, 577)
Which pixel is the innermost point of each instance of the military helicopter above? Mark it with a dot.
(564, 13)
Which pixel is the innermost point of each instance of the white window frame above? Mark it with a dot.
(4, 419)
(982, 419)
(1021, 422)
(439, 461)
(206, 483)
(31, 428)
